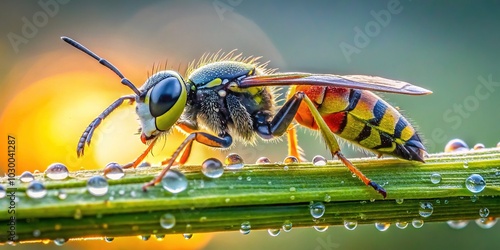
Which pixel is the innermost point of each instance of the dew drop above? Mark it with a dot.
(466, 164)
(113, 171)
(435, 178)
(159, 237)
(479, 146)
(97, 185)
(274, 232)
(249, 178)
(486, 223)
(174, 181)
(401, 224)
(319, 160)
(317, 209)
(425, 210)
(285, 168)
(187, 236)
(57, 171)
(484, 212)
(26, 176)
(62, 195)
(474, 198)
(290, 160)
(245, 228)
(3, 192)
(416, 223)
(234, 161)
(350, 225)
(457, 224)
(60, 241)
(399, 201)
(456, 145)
(327, 198)
(212, 168)
(167, 221)
(475, 183)
(263, 160)
(287, 226)
(144, 164)
(108, 239)
(292, 197)
(382, 226)
(78, 214)
(36, 190)
(145, 237)
(320, 229)
(292, 189)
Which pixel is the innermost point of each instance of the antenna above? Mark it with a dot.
(102, 61)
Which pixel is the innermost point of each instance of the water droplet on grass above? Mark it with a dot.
(36, 190)
(167, 221)
(401, 224)
(245, 228)
(174, 181)
(317, 210)
(319, 160)
(475, 183)
(484, 212)
(320, 229)
(108, 239)
(97, 185)
(26, 177)
(382, 226)
(287, 226)
(113, 171)
(274, 232)
(3, 192)
(425, 209)
(457, 224)
(350, 225)
(234, 161)
(57, 171)
(435, 178)
(416, 223)
(456, 145)
(263, 160)
(290, 160)
(187, 236)
(212, 168)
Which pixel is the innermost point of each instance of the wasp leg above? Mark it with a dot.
(87, 134)
(333, 145)
(141, 157)
(223, 141)
(293, 144)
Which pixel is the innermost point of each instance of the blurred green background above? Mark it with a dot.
(449, 47)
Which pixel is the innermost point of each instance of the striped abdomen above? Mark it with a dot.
(362, 117)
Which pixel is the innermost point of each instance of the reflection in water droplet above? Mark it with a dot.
(57, 171)
(145, 237)
(274, 232)
(263, 160)
(425, 209)
(97, 185)
(285, 168)
(350, 225)
(416, 223)
(456, 145)
(317, 209)
(319, 160)
(174, 181)
(3, 192)
(382, 226)
(290, 160)
(26, 176)
(144, 164)
(457, 224)
(159, 237)
(187, 236)
(245, 228)
(234, 161)
(212, 168)
(167, 221)
(400, 201)
(484, 212)
(113, 171)
(486, 223)
(62, 195)
(475, 183)
(435, 178)
(287, 226)
(327, 198)
(478, 146)
(108, 239)
(36, 190)
(401, 224)
(320, 229)
(60, 241)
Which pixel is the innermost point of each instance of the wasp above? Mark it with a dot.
(226, 96)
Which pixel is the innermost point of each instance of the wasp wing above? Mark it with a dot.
(374, 83)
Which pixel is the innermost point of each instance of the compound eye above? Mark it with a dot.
(164, 95)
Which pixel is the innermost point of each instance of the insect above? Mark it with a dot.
(231, 96)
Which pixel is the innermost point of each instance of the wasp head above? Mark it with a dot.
(161, 103)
